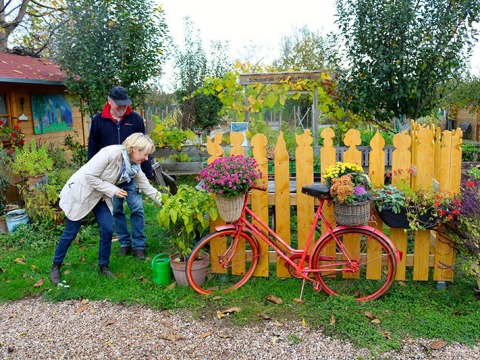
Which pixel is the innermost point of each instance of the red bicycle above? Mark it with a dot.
(337, 263)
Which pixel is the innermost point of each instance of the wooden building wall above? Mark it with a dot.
(14, 91)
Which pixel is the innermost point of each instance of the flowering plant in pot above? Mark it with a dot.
(402, 207)
(349, 188)
(229, 178)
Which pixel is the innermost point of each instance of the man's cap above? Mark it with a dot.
(119, 96)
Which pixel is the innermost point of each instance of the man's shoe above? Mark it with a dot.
(139, 254)
(55, 273)
(105, 271)
(124, 251)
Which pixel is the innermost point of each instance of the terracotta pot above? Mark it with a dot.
(200, 268)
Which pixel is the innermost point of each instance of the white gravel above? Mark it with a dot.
(34, 329)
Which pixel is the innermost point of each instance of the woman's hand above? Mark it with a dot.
(121, 194)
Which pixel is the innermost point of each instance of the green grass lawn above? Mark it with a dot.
(409, 310)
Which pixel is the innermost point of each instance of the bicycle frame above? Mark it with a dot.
(282, 248)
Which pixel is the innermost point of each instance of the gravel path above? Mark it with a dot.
(34, 329)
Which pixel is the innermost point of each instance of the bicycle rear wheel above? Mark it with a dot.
(369, 273)
(230, 267)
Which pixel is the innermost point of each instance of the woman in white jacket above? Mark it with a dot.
(92, 187)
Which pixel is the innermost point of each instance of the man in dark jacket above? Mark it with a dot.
(112, 126)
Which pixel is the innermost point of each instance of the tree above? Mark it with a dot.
(465, 94)
(192, 65)
(402, 53)
(28, 24)
(107, 43)
(304, 50)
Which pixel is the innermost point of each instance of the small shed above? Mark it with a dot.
(34, 97)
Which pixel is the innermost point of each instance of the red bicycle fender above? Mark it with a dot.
(225, 227)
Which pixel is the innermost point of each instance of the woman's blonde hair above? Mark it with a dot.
(139, 141)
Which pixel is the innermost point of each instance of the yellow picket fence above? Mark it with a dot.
(425, 157)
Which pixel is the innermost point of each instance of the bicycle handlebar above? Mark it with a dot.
(257, 187)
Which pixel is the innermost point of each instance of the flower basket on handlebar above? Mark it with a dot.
(230, 209)
(353, 214)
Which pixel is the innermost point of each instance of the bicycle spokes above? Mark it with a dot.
(356, 262)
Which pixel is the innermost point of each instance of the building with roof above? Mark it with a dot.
(34, 97)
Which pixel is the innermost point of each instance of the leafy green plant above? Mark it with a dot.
(168, 134)
(32, 159)
(389, 197)
(78, 151)
(470, 152)
(187, 215)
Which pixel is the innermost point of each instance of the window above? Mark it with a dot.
(3, 110)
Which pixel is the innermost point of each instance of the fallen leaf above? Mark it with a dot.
(217, 297)
(274, 340)
(81, 308)
(304, 323)
(109, 322)
(13, 316)
(166, 313)
(85, 301)
(34, 268)
(274, 299)
(224, 336)
(232, 310)
(220, 315)
(332, 319)
(82, 248)
(264, 316)
(110, 342)
(298, 301)
(143, 279)
(369, 315)
(171, 286)
(172, 337)
(20, 261)
(376, 321)
(66, 272)
(2, 269)
(278, 324)
(38, 283)
(437, 344)
(82, 259)
(207, 334)
(386, 335)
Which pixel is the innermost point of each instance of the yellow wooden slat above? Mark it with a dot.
(260, 198)
(282, 198)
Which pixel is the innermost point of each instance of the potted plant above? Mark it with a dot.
(187, 215)
(349, 187)
(32, 161)
(401, 207)
(229, 178)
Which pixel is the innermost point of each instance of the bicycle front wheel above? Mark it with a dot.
(360, 263)
(232, 262)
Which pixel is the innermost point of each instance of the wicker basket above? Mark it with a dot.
(230, 209)
(353, 214)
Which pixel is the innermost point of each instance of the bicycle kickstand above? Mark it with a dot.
(301, 291)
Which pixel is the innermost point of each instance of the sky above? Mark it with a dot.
(259, 22)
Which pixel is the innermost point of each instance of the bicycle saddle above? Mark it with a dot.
(319, 191)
